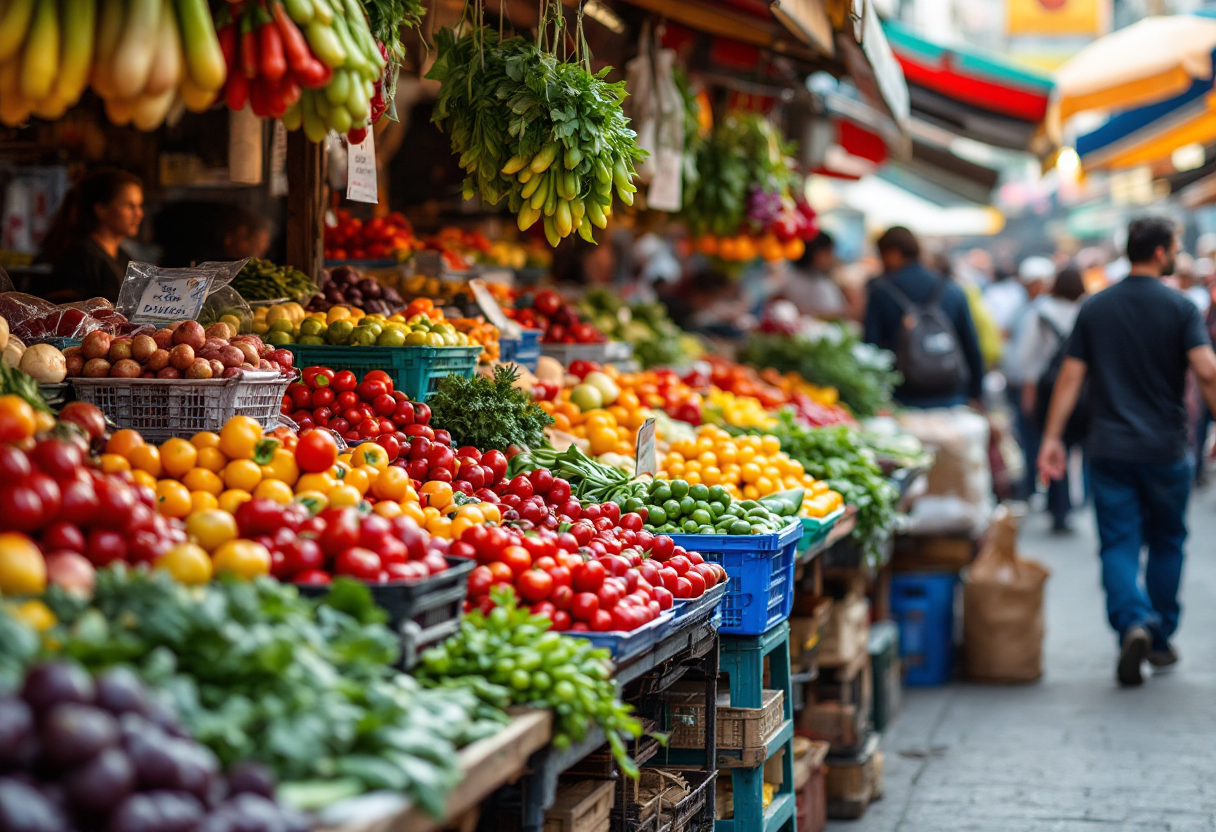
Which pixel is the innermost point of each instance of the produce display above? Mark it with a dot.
(376, 239)
(656, 340)
(559, 320)
(182, 350)
(344, 285)
(139, 58)
(489, 413)
(83, 749)
(341, 328)
(262, 280)
(544, 133)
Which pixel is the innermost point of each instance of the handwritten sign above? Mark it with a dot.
(361, 184)
(648, 462)
(491, 309)
(171, 299)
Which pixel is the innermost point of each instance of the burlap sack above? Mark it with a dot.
(1003, 609)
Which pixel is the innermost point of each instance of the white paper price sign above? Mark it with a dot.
(167, 299)
(361, 183)
(491, 309)
(648, 462)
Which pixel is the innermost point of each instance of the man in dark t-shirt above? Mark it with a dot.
(1135, 342)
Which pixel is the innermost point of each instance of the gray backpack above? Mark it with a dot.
(928, 354)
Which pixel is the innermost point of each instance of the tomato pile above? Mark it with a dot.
(375, 239)
(559, 320)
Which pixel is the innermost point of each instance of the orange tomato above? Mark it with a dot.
(172, 498)
(17, 419)
(122, 442)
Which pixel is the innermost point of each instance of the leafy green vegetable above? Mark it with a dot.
(838, 454)
(489, 414)
(256, 672)
(863, 374)
(545, 133)
(509, 657)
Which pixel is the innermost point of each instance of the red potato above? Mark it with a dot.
(181, 357)
(126, 368)
(96, 344)
(96, 368)
(163, 339)
(231, 356)
(142, 347)
(74, 364)
(169, 372)
(158, 360)
(190, 333)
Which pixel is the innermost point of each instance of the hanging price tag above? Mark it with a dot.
(491, 309)
(171, 299)
(648, 462)
(361, 184)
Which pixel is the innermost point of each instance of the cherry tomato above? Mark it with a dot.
(517, 558)
(323, 397)
(534, 585)
(317, 451)
(584, 607)
(343, 381)
(358, 563)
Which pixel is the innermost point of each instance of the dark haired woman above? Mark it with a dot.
(84, 243)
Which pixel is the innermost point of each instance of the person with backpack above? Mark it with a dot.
(1133, 343)
(1039, 352)
(924, 319)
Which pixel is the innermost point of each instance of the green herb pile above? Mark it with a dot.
(743, 153)
(256, 672)
(263, 280)
(546, 134)
(510, 657)
(489, 414)
(863, 375)
(839, 454)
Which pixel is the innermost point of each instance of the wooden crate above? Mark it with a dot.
(739, 729)
(846, 634)
(852, 782)
(809, 784)
(845, 727)
(585, 806)
(933, 553)
(850, 684)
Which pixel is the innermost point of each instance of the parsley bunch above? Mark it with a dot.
(489, 414)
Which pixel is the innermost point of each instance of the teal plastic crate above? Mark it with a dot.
(415, 371)
(815, 530)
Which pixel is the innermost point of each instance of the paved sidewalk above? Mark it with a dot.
(1072, 753)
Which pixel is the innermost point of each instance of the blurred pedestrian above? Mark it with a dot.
(924, 319)
(1134, 341)
(1047, 327)
(810, 285)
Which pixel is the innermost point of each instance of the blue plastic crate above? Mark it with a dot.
(626, 645)
(508, 348)
(528, 351)
(760, 572)
(698, 607)
(922, 604)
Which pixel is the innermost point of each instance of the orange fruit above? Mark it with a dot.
(122, 441)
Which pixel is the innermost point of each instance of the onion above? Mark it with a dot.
(44, 363)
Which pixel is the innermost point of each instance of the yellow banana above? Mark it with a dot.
(14, 24)
(40, 63)
(79, 21)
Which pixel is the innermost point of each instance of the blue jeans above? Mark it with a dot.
(1138, 505)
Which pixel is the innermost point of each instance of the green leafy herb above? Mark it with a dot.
(489, 414)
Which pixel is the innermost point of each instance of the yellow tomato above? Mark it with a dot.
(314, 501)
(371, 454)
(438, 494)
(212, 459)
(440, 527)
(231, 499)
(239, 437)
(491, 512)
(172, 498)
(392, 484)
(203, 501)
(34, 614)
(315, 482)
(22, 568)
(244, 474)
(360, 479)
(187, 563)
(201, 479)
(344, 496)
(205, 439)
(387, 509)
(211, 529)
(122, 442)
(458, 526)
(414, 511)
(282, 467)
(177, 456)
(145, 458)
(144, 478)
(276, 490)
(113, 463)
(243, 558)
(471, 512)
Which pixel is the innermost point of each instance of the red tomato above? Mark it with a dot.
(534, 585)
(323, 397)
(358, 563)
(584, 606)
(344, 381)
(589, 577)
(340, 530)
(301, 396)
(369, 391)
(517, 558)
(20, 509)
(317, 451)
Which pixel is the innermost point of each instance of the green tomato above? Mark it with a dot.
(656, 515)
(679, 489)
(699, 491)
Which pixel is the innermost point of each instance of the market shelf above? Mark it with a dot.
(726, 758)
(778, 813)
(843, 528)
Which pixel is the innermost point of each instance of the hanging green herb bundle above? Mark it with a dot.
(545, 133)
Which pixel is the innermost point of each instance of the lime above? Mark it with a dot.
(717, 509)
(656, 515)
(278, 338)
(703, 518)
(391, 338)
(679, 489)
(706, 530)
(661, 493)
(689, 526)
(699, 491)
(700, 505)
(672, 507)
(633, 504)
(687, 506)
(740, 527)
(717, 494)
(339, 332)
(281, 325)
(312, 326)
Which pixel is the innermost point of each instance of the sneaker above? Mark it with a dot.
(1135, 650)
(1163, 659)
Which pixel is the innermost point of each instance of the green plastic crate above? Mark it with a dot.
(816, 529)
(415, 371)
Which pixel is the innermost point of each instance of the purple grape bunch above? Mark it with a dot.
(85, 754)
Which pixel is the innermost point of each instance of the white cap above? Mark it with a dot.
(1036, 268)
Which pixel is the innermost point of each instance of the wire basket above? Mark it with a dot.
(163, 408)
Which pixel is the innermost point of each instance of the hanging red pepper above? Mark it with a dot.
(295, 47)
(274, 63)
(249, 49)
(259, 97)
(236, 91)
(227, 39)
